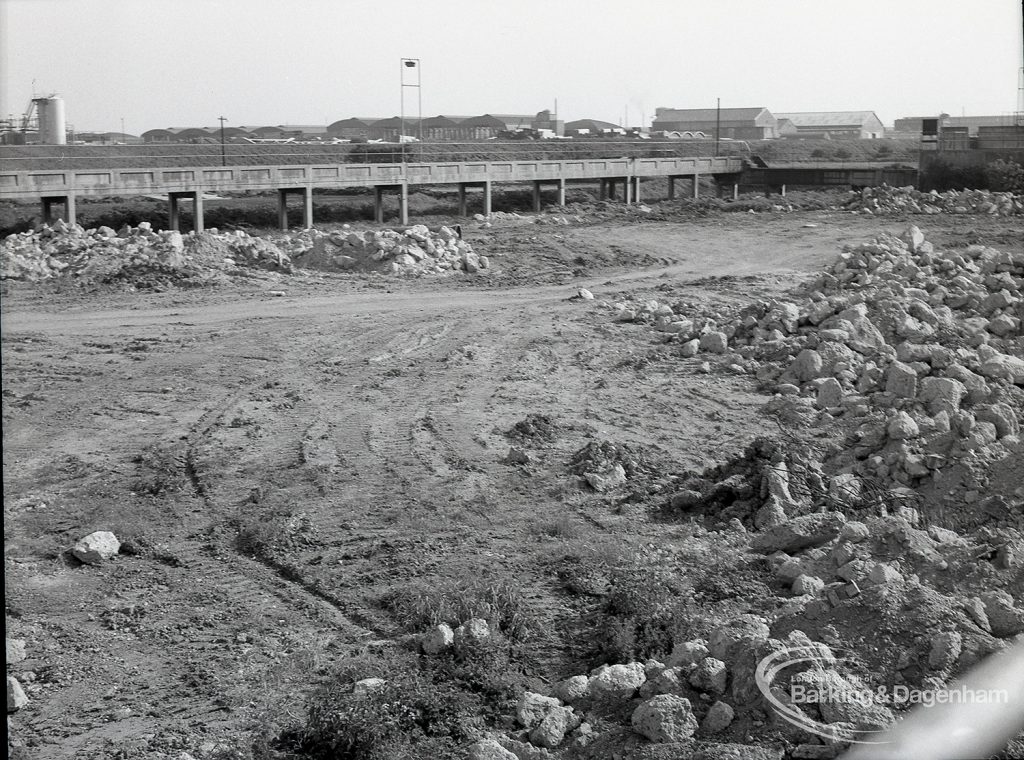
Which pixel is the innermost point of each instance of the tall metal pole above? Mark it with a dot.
(410, 63)
(401, 89)
(718, 123)
(223, 150)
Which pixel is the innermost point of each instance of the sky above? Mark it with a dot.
(176, 63)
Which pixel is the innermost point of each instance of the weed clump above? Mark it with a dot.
(502, 605)
(409, 715)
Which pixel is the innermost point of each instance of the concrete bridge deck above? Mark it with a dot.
(63, 187)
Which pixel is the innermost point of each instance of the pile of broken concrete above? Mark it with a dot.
(140, 254)
(886, 200)
(103, 255)
(414, 251)
(918, 350)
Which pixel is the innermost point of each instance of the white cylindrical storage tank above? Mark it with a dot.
(52, 126)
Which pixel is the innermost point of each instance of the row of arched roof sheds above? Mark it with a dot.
(432, 128)
(213, 134)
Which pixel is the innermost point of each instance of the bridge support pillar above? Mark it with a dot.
(783, 191)
(735, 191)
(603, 193)
(174, 215)
(307, 207)
(487, 198)
(671, 188)
(49, 201)
(536, 195)
(282, 209)
(561, 192)
(696, 185)
(636, 189)
(462, 199)
(403, 203)
(627, 190)
(378, 204)
(282, 206)
(197, 212)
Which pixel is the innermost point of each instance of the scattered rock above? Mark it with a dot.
(665, 718)
(718, 718)
(15, 651)
(532, 708)
(617, 682)
(800, 533)
(16, 698)
(437, 639)
(96, 547)
(606, 481)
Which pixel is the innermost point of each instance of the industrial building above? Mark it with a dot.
(831, 124)
(911, 125)
(592, 128)
(43, 123)
(733, 123)
(441, 127)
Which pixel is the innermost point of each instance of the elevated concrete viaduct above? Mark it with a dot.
(56, 187)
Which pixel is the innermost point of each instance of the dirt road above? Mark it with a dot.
(279, 466)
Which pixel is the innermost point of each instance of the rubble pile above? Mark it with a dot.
(141, 255)
(918, 350)
(103, 255)
(415, 251)
(885, 200)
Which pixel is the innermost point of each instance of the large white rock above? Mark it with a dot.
(471, 632)
(718, 718)
(710, 676)
(617, 681)
(902, 427)
(96, 547)
(16, 698)
(550, 732)
(533, 707)
(665, 718)
(437, 639)
(15, 651)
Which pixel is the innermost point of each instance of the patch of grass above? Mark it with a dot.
(649, 598)
(414, 713)
(563, 527)
(501, 604)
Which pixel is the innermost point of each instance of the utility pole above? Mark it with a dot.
(223, 149)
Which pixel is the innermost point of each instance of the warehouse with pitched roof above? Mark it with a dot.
(734, 123)
(829, 124)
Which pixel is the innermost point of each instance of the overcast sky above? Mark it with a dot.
(163, 63)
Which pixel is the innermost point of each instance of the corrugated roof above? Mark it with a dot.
(594, 124)
(487, 120)
(515, 119)
(828, 118)
(438, 121)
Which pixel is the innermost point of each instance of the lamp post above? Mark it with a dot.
(410, 63)
(223, 150)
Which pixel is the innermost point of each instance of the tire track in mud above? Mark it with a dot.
(256, 580)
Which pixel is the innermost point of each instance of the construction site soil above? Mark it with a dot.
(317, 477)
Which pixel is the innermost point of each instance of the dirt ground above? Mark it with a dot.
(279, 467)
